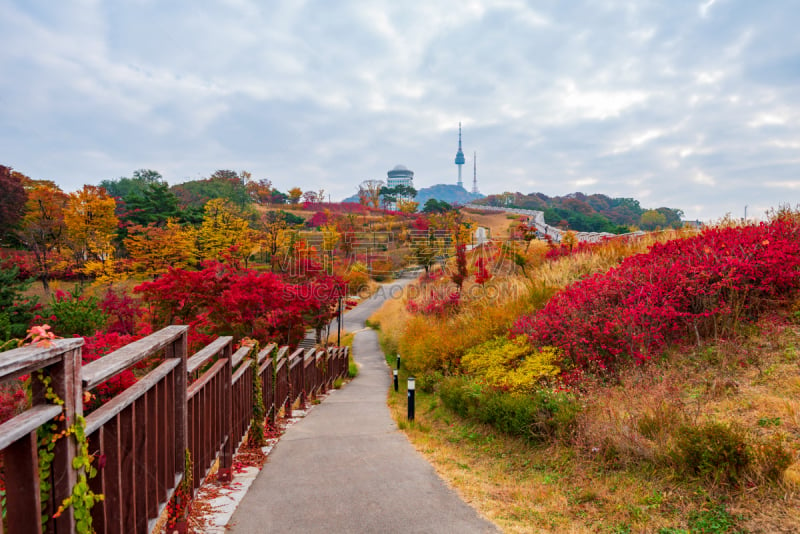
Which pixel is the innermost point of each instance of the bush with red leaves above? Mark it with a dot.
(680, 291)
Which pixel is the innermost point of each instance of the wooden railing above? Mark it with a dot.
(202, 404)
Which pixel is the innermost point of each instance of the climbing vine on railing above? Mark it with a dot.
(47, 437)
(82, 498)
(255, 437)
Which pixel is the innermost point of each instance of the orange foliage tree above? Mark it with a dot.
(91, 226)
(154, 249)
(42, 228)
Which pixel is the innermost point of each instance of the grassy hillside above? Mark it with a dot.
(651, 386)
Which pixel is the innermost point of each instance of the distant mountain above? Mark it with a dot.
(589, 213)
(452, 194)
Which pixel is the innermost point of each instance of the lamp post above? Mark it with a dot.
(411, 387)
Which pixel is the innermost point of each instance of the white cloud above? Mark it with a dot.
(583, 182)
(637, 98)
(704, 7)
(702, 178)
(786, 184)
(766, 119)
(636, 140)
(597, 104)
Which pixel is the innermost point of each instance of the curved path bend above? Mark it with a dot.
(346, 467)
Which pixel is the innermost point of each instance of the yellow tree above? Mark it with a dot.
(154, 249)
(330, 237)
(224, 227)
(294, 195)
(272, 223)
(407, 206)
(91, 225)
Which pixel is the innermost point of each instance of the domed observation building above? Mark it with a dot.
(400, 175)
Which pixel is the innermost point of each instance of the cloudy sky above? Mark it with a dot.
(687, 104)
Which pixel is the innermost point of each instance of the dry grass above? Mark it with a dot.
(89, 289)
(613, 478)
(615, 473)
(525, 489)
(428, 342)
(497, 223)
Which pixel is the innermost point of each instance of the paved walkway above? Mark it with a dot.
(346, 468)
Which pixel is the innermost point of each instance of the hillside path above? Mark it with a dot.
(346, 467)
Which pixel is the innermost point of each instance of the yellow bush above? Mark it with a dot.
(511, 364)
(391, 319)
(357, 278)
(425, 345)
(429, 343)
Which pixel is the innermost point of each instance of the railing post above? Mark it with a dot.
(22, 502)
(226, 457)
(65, 377)
(288, 408)
(179, 349)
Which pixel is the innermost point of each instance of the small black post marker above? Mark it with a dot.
(398, 362)
(396, 384)
(410, 398)
(339, 324)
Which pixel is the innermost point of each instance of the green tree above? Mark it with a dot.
(155, 204)
(436, 206)
(652, 219)
(673, 217)
(224, 184)
(126, 187)
(388, 196)
(16, 311)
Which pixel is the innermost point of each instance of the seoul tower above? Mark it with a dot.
(460, 157)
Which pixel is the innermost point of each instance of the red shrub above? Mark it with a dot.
(218, 300)
(96, 347)
(123, 312)
(440, 303)
(681, 290)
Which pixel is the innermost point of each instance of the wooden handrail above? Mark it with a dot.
(209, 351)
(99, 371)
(24, 360)
(239, 355)
(110, 409)
(266, 351)
(147, 424)
(26, 422)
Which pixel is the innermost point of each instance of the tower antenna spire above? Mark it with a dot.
(460, 160)
(474, 172)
